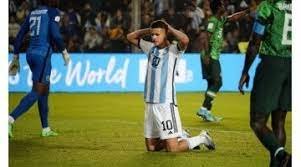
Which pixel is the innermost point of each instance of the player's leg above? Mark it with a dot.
(43, 110)
(154, 144)
(173, 145)
(216, 81)
(42, 86)
(202, 112)
(208, 96)
(27, 101)
(151, 133)
(278, 125)
(279, 115)
(258, 123)
(265, 99)
(214, 85)
(169, 123)
(285, 103)
(172, 129)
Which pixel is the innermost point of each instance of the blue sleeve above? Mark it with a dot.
(55, 29)
(258, 28)
(19, 39)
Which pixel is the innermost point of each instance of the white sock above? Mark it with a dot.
(203, 108)
(195, 141)
(47, 129)
(278, 150)
(11, 119)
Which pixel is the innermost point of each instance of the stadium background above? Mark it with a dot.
(100, 27)
(101, 120)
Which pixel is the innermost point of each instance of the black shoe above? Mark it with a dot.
(286, 161)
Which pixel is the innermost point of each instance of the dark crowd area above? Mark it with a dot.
(102, 25)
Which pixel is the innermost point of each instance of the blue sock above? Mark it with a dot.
(25, 104)
(43, 110)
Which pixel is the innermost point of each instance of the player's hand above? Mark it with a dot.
(244, 79)
(14, 66)
(66, 57)
(168, 25)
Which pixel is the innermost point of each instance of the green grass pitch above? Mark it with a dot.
(106, 129)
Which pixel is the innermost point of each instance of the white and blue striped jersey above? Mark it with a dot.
(160, 75)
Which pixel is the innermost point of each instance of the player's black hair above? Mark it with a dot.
(159, 24)
(215, 5)
(43, 2)
(51, 3)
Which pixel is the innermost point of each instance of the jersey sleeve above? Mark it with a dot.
(175, 50)
(145, 46)
(264, 12)
(55, 34)
(19, 38)
(211, 25)
(263, 17)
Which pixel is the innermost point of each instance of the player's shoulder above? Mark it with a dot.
(175, 48)
(264, 9)
(212, 19)
(54, 13)
(264, 4)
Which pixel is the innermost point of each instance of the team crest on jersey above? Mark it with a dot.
(155, 61)
(57, 18)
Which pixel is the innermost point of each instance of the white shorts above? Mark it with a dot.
(162, 121)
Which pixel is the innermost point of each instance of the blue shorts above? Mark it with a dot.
(40, 66)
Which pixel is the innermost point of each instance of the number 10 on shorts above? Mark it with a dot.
(167, 125)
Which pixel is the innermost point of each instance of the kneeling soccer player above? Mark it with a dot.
(162, 124)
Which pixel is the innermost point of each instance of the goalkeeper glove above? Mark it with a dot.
(66, 57)
(14, 66)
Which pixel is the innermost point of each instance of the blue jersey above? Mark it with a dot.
(43, 27)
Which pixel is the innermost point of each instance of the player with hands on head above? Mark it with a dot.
(162, 124)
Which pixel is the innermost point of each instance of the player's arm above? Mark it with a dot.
(205, 53)
(180, 36)
(56, 35)
(252, 51)
(14, 66)
(238, 15)
(134, 37)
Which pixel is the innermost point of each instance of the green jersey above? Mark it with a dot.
(216, 26)
(276, 16)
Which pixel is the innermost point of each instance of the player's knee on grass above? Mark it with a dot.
(150, 148)
(41, 88)
(172, 145)
(153, 144)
